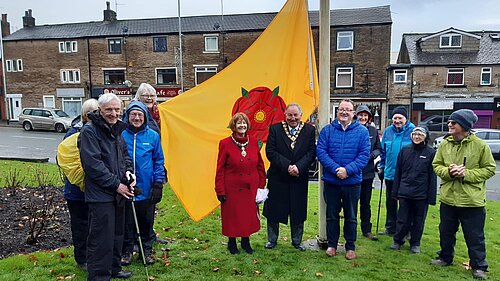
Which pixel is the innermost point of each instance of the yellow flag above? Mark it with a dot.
(279, 68)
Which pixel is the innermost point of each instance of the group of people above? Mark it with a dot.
(347, 148)
(124, 176)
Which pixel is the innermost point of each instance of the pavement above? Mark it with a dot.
(5, 123)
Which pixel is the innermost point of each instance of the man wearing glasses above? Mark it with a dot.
(394, 138)
(344, 150)
(463, 162)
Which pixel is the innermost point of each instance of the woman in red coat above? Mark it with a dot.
(240, 171)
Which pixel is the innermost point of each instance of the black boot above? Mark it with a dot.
(231, 246)
(245, 245)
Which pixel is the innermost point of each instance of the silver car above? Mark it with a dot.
(45, 119)
(490, 136)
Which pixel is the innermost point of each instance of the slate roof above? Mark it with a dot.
(489, 51)
(195, 24)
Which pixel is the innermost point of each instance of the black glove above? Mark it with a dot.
(221, 198)
(156, 192)
(381, 174)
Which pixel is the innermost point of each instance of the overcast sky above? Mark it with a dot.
(407, 15)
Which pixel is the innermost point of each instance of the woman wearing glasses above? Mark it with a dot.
(147, 95)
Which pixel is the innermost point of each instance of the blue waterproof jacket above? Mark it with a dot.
(144, 148)
(392, 143)
(71, 191)
(349, 149)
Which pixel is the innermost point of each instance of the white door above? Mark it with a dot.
(15, 108)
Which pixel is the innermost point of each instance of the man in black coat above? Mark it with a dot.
(290, 149)
(107, 167)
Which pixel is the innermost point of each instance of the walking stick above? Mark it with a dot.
(138, 234)
(380, 201)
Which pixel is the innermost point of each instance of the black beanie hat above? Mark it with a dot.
(465, 117)
(400, 110)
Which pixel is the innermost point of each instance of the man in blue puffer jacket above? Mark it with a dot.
(344, 150)
(144, 148)
(394, 138)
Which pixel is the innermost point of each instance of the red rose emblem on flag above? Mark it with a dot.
(263, 107)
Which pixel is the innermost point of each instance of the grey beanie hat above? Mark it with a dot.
(400, 110)
(363, 108)
(465, 117)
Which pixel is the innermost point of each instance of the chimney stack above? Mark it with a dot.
(109, 15)
(5, 26)
(28, 19)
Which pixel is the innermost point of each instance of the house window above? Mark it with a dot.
(114, 76)
(211, 43)
(115, 46)
(166, 76)
(400, 76)
(203, 72)
(49, 102)
(345, 40)
(486, 76)
(450, 41)
(68, 47)
(14, 65)
(72, 106)
(343, 77)
(455, 76)
(160, 44)
(70, 76)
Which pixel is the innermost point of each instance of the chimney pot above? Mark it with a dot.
(107, 5)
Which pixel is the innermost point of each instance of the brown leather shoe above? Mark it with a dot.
(331, 252)
(350, 255)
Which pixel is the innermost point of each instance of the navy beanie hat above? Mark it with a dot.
(400, 110)
(465, 117)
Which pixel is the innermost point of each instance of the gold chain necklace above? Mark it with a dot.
(241, 146)
(289, 135)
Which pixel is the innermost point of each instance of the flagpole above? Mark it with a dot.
(324, 101)
(4, 81)
(180, 45)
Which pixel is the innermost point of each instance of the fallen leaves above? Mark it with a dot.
(216, 269)
(319, 274)
(65, 277)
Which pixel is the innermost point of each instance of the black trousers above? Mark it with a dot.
(411, 218)
(296, 229)
(391, 207)
(472, 220)
(79, 216)
(104, 243)
(365, 198)
(145, 218)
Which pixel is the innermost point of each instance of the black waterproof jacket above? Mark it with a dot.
(415, 178)
(104, 157)
(369, 170)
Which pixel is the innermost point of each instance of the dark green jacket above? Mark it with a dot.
(479, 167)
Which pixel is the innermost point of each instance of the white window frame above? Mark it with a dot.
(450, 37)
(455, 71)
(162, 68)
(345, 34)
(79, 100)
(9, 65)
(206, 37)
(19, 65)
(67, 73)
(343, 71)
(104, 69)
(202, 69)
(47, 98)
(68, 46)
(485, 70)
(402, 73)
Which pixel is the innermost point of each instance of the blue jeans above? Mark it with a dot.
(345, 197)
